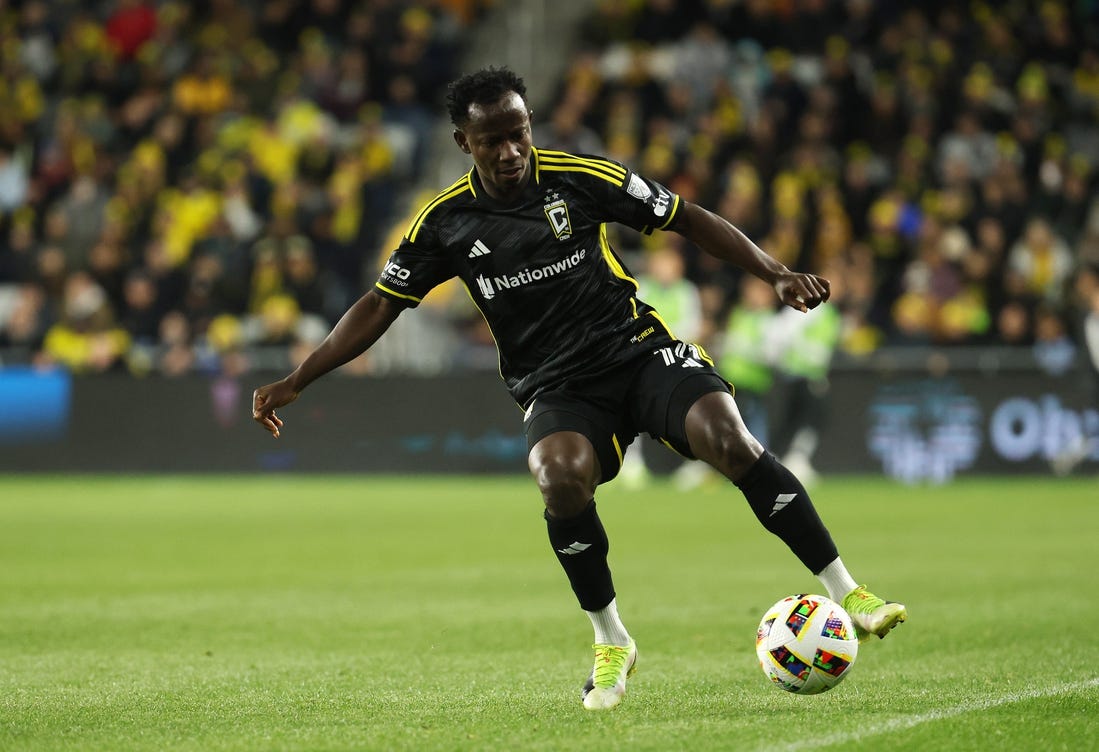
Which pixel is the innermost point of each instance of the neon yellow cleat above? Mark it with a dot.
(606, 686)
(871, 614)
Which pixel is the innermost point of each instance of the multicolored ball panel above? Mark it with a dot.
(800, 615)
(830, 663)
(836, 629)
(806, 644)
(793, 664)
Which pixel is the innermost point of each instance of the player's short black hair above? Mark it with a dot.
(485, 86)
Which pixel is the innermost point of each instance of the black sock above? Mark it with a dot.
(581, 546)
(782, 504)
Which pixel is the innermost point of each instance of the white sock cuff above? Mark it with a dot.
(837, 580)
(609, 629)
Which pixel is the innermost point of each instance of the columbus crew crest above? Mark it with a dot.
(558, 215)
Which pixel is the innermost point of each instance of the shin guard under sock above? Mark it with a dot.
(782, 504)
(581, 546)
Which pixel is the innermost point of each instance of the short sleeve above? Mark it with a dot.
(640, 203)
(413, 270)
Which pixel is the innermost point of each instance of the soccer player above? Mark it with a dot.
(591, 364)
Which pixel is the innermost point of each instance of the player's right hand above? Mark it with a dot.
(266, 399)
(802, 291)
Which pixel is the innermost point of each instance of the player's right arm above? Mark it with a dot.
(356, 331)
(412, 271)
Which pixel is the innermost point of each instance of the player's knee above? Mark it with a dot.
(565, 485)
(719, 437)
(732, 453)
(567, 481)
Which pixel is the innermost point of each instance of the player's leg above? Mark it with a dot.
(566, 468)
(717, 435)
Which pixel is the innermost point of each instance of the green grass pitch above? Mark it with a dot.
(385, 613)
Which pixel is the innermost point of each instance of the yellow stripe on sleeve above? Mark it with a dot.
(671, 214)
(594, 162)
(560, 159)
(396, 294)
(547, 167)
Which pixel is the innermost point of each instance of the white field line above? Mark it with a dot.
(906, 722)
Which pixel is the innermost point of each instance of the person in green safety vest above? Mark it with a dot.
(806, 345)
(747, 354)
(676, 297)
(664, 286)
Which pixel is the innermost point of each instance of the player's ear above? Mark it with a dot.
(461, 140)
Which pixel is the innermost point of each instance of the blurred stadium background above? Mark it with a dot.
(191, 193)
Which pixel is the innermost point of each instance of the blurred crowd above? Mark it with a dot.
(938, 158)
(186, 184)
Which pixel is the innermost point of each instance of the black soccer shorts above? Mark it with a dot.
(649, 395)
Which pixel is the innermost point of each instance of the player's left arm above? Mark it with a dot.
(719, 238)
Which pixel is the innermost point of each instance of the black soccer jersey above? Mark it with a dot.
(560, 303)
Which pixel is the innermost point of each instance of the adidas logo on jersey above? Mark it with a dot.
(478, 249)
(690, 355)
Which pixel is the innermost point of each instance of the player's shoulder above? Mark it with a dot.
(459, 192)
(580, 166)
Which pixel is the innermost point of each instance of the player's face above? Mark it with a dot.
(497, 136)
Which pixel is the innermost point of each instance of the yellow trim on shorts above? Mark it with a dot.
(617, 450)
(668, 444)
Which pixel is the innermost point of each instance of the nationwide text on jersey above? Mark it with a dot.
(489, 287)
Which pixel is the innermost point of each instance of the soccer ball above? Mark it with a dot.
(806, 644)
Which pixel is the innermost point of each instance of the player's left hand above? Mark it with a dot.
(266, 399)
(802, 291)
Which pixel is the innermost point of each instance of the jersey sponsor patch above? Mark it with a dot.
(489, 286)
(637, 188)
(661, 202)
(394, 274)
